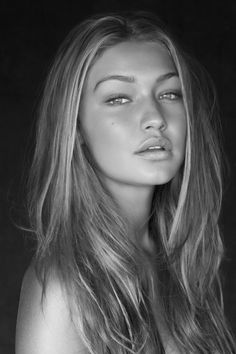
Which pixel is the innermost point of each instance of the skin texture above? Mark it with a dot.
(47, 329)
(117, 116)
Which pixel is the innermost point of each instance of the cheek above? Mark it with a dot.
(181, 131)
(180, 125)
(102, 137)
(182, 137)
(178, 132)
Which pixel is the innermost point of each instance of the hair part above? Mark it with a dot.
(82, 234)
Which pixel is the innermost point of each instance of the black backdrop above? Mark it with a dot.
(30, 34)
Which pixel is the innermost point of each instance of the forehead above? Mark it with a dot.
(132, 57)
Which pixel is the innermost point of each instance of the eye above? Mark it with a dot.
(117, 100)
(171, 96)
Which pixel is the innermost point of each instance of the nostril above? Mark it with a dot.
(151, 120)
(161, 127)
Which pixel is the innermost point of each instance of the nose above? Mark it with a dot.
(152, 116)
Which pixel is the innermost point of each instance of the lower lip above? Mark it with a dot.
(157, 155)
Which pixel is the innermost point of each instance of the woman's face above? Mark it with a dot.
(132, 115)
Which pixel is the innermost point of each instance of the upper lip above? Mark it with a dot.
(154, 141)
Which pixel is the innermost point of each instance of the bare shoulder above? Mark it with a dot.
(45, 328)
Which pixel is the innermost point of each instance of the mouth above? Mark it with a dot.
(155, 148)
(154, 145)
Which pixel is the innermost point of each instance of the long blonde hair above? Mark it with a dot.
(80, 230)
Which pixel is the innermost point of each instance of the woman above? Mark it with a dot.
(124, 199)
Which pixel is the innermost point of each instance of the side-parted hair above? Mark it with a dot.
(83, 236)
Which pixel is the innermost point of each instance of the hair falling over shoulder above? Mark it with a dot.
(80, 230)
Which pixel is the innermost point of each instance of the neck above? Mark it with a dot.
(135, 204)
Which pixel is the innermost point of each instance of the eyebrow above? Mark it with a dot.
(131, 79)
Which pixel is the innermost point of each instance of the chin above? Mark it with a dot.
(162, 177)
(161, 181)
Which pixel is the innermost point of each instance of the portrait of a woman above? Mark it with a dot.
(124, 199)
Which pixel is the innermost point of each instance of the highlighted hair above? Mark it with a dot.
(82, 235)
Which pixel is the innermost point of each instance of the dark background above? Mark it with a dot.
(29, 36)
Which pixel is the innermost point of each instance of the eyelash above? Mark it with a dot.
(177, 94)
(117, 97)
(166, 95)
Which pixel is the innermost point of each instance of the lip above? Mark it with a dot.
(155, 155)
(155, 141)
